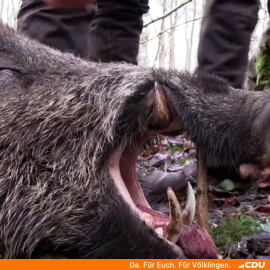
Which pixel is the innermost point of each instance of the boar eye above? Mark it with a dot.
(7, 74)
(9, 69)
(9, 81)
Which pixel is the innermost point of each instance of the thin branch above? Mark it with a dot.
(154, 24)
(175, 26)
(168, 13)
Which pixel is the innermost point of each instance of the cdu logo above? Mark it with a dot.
(252, 265)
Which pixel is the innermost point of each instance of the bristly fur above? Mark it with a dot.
(226, 123)
(61, 118)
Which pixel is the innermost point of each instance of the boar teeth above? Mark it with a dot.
(189, 212)
(173, 229)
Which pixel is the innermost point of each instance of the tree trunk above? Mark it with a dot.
(173, 21)
(192, 34)
(187, 65)
(162, 52)
(143, 58)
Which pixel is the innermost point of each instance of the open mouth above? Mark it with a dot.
(122, 168)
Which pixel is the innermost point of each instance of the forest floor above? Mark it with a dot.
(239, 198)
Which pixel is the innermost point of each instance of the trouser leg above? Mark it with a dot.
(65, 30)
(109, 32)
(225, 36)
(116, 29)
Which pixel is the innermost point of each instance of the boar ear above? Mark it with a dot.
(12, 49)
(160, 116)
(8, 49)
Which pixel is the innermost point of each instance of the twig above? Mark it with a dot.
(202, 200)
(170, 28)
(168, 13)
(230, 251)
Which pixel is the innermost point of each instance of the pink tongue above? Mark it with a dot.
(160, 219)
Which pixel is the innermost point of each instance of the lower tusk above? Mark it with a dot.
(173, 229)
(190, 209)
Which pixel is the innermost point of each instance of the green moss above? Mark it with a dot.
(174, 148)
(182, 161)
(231, 230)
(263, 68)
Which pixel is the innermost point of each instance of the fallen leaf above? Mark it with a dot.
(172, 141)
(190, 169)
(226, 204)
(158, 159)
(266, 226)
(147, 155)
(174, 168)
(263, 208)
